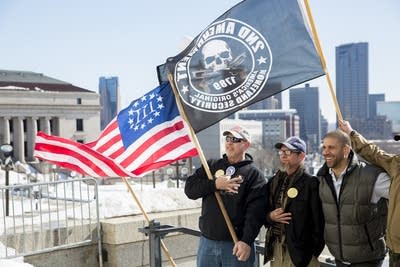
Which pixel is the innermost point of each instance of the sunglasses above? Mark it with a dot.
(233, 139)
(286, 152)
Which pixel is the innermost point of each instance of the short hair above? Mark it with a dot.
(341, 136)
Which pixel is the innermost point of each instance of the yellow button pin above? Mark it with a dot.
(292, 192)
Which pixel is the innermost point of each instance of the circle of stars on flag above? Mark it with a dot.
(144, 111)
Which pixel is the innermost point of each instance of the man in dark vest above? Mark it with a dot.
(354, 200)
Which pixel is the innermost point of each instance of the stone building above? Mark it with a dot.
(31, 102)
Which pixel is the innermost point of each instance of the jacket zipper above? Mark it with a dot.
(338, 217)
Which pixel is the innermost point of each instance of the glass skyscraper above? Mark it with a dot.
(306, 101)
(109, 99)
(352, 80)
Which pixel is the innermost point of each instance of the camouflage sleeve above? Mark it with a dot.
(376, 156)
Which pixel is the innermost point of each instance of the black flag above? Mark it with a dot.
(253, 51)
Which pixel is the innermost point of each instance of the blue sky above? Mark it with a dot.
(78, 41)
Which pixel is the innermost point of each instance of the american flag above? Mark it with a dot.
(148, 134)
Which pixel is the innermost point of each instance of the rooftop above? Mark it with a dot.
(27, 80)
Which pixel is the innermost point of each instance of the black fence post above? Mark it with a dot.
(154, 244)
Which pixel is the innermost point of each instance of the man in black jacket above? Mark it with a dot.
(240, 185)
(295, 220)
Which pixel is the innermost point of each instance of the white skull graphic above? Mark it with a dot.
(217, 55)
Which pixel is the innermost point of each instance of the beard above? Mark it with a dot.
(334, 163)
(284, 167)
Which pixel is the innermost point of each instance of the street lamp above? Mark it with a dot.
(7, 150)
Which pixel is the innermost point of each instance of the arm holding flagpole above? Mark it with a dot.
(322, 58)
(203, 161)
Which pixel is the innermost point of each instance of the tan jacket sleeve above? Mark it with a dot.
(373, 154)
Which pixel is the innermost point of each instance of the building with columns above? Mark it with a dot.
(31, 102)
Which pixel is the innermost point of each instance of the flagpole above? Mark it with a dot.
(322, 58)
(203, 160)
(147, 219)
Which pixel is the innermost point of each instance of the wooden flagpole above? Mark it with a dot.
(164, 248)
(203, 160)
(322, 58)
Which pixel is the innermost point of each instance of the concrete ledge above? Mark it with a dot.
(181, 248)
(123, 245)
(86, 255)
(125, 229)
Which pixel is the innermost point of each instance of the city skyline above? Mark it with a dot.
(80, 41)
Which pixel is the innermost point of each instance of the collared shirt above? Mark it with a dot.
(381, 187)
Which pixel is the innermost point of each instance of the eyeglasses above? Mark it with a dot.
(286, 152)
(233, 139)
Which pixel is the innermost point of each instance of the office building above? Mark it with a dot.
(378, 128)
(278, 98)
(32, 102)
(109, 99)
(324, 126)
(267, 103)
(306, 101)
(277, 124)
(373, 99)
(352, 80)
(390, 109)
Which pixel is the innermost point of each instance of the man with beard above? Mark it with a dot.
(354, 200)
(241, 186)
(295, 221)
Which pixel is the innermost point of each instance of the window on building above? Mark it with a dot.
(79, 124)
(25, 149)
(79, 101)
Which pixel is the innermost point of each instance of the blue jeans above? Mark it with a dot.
(213, 253)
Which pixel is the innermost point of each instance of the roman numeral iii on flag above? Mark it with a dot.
(145, 136)
(253, 51)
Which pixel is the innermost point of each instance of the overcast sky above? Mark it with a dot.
(79, 41)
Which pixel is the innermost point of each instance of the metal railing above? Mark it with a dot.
(44, 217)
(156, 232)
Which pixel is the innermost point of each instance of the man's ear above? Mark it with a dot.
(346, 151)
(247, 145)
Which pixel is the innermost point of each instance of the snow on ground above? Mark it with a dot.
(16, 262)
(114, 201)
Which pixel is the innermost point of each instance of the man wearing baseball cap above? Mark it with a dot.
(294, 220)
(238, 132)
(241, 187)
